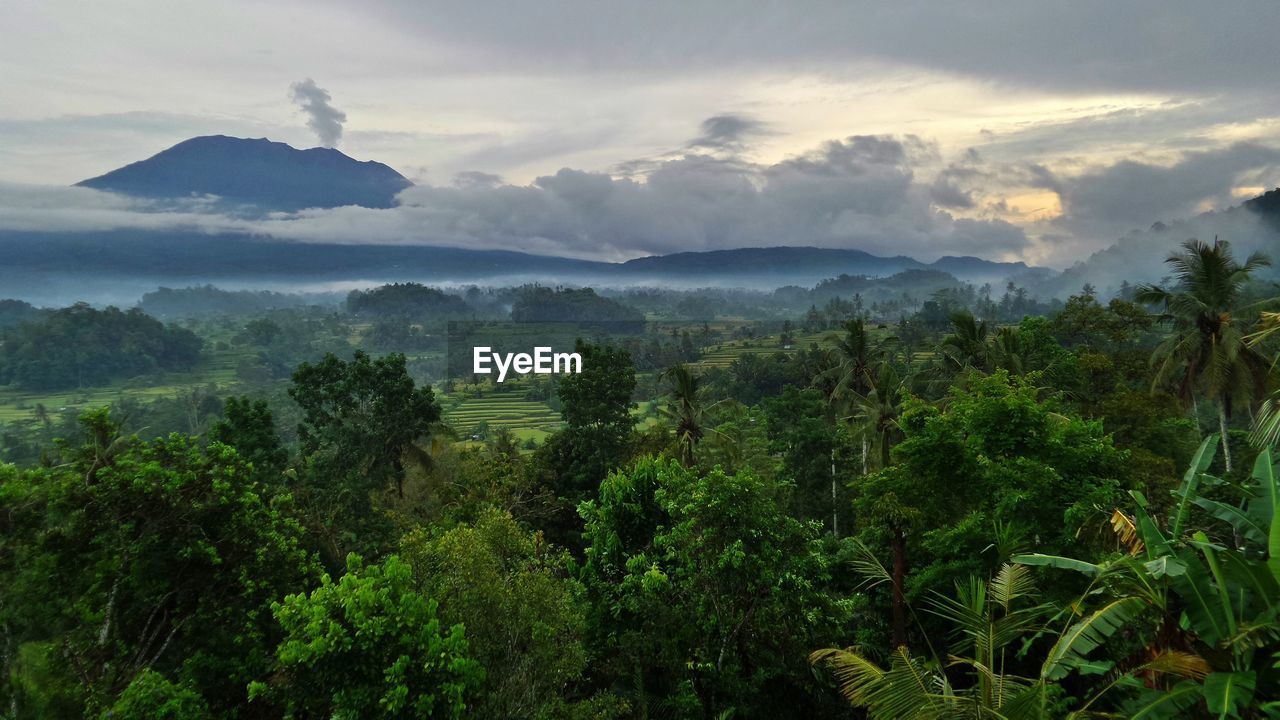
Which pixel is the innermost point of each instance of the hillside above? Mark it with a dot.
(807, 262)
(1253, 226)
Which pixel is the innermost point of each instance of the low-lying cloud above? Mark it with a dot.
(860, 192)
(888, 195)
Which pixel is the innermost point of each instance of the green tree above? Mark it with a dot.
(969, 344)
(150, 546)
(151, 696)
(80, 346)
(812, 452)
(876, 412)
(1208, 578)
(995, 456)
(855, 359)
(706, 592)
(247, 426)
(1206, 353)
(596, 407)
(361, 420)
(369, 646)
(988, 671)
(525, 617)
(850, 377)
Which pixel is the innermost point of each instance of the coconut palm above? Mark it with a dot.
(1266, 428)
(855, 359)
(1009, 352)
(875, 413)
(686, 411)
(968, 345)
(850, 376)
(1207, 354)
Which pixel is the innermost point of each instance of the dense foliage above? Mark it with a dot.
(542, 304)
(80, 346)
(368, 646)
(405, 300)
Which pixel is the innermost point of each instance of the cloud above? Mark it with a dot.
(859, 192)
(887, 195)
(46, 208)
(1189, 45)
(726, 132)
(1110, 200)
(955, 185)
(324, 119)
(472, 179)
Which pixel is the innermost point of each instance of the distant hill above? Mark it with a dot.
(54, 267)
(1266, 206)
(258, 173)
(1253, 226)
(768, 261)
(787, 262)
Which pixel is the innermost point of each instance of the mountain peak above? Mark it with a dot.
(263, 173)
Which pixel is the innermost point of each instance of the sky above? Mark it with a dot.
(1035, 131)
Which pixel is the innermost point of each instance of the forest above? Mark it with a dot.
(901, 497)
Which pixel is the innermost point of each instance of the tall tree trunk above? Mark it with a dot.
(835, 505)
(865, 469)
(899, 593)
(1226, 442)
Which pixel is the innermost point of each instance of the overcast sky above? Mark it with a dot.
(1012, 130)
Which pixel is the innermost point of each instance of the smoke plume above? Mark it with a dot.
(324, 119)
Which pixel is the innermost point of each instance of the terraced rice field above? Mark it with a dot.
(508, 408)
(722, 355)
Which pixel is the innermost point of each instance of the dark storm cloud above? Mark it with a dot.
(1079, 46)
(324, 119)
(954, 187)
(1112, 200)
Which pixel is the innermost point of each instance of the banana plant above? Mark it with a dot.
(1215, 594)
(995, 624)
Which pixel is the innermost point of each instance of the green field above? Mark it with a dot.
(218, 368)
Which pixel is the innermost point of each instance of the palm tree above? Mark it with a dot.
(968, 344)
(1009, 351)
(1208, 607)
(1266, 427)
(686, 411)
(855, 359)
(1207, 353)
(877, 410)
